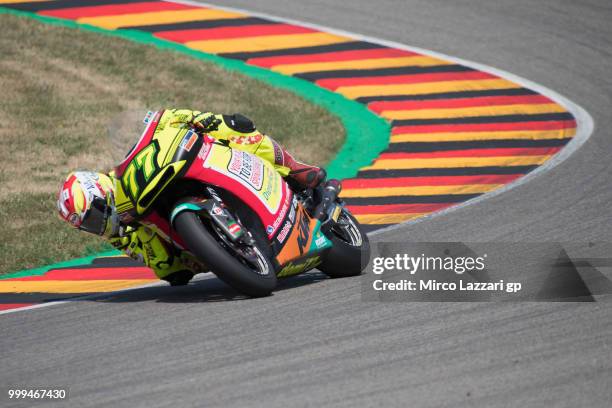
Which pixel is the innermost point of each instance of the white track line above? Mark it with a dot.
(584, 121)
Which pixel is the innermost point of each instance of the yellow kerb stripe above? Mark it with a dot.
(454, 136)
(425, 88)
(158, 17)
(449, 162)
(82, 286)
(267, 42)
(473, 111)
(419, 190)
(386, 218)
(359, 64)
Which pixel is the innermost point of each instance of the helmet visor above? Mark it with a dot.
(95, 220)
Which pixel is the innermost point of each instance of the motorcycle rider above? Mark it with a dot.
(86, 198)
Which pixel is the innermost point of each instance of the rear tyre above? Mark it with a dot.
(254, 278)
(350, 250)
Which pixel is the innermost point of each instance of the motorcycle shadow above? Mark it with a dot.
(209, 289)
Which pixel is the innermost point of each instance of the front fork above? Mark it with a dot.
(214, 209)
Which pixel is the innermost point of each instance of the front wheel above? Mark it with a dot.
(245, 268)
(350, 250)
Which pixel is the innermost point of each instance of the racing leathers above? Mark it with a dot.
(238, 132)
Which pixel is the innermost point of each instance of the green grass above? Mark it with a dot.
(65, 90)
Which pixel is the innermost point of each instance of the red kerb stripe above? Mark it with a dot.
(485, 127)
(335, 83)
(397, 208)
(114, 9)
(517, 151)
(232, 32)
(9, 306)
(138, 272)
(428, 181)
(458, 103)
(329, 56)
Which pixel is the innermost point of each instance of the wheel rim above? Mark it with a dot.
(260, 265)
(347, 230)
(248, 255)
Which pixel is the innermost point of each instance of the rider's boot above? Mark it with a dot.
(327, 193)
(179, 278)
(301, 174)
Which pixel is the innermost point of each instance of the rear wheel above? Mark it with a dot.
(350, 250)
(245, 268)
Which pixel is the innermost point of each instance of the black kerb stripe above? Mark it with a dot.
(55, 5)
(360, 73)
(318, 49)
(409, 147)
(448, 95)
(486, 119)
(195, 25)
(410, 199)
(454, 171)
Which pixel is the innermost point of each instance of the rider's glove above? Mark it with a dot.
(206, 122)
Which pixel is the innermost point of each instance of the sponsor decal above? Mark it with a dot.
(294, 269)
(217, 210)
(247, 167)
(269, 229)
(149, 251)
(234, 229)
(148, 117)
(203, 153)
(304, 233)
(336, 213)
(188, 141)
(251, 173)
(272, 184)
(282, 235)
(89, 184)
(281, 215)
(320, 242)
(278, 154)
(247, 140)
(293, 209)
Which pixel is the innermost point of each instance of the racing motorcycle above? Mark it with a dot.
(231, 213)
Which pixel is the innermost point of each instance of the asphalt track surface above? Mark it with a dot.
(315, 342)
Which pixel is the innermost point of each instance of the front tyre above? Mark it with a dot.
(350, 247)
(254, 276)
